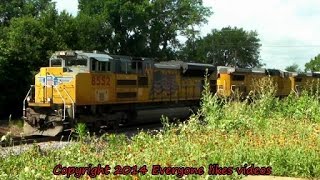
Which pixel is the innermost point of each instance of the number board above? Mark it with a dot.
(100, 80)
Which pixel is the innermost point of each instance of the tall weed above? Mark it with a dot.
(223, 113)
(211, 107)
(264, 101)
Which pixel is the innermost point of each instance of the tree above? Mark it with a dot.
(169, 19)
(64, 29)
(226, 47)
(24, 47)
(293, 68)
(18, 8)
(314, 64)
(29, 40)
(24, 51)
(144, 27)
(93, 34)
(119, 25)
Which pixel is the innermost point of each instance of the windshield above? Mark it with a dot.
(68, 62)
(76, 62)
(55, 63)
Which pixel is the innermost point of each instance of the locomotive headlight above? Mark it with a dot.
(48, 99)
(28, 98)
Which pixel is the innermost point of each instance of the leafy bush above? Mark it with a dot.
(81, 130)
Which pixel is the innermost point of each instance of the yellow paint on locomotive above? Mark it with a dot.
(224, 84)
(50, 94)
(293, 83)
(284, 85)
(250, 82)
(111, 88)
(303, 82)
(191, 88)
(306, 82)
(244, 81)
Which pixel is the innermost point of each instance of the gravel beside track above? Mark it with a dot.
(16, 150)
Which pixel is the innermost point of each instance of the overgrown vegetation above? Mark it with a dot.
(283, 134)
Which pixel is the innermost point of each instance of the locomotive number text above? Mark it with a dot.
(100, 80)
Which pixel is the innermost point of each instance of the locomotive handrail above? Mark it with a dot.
(71, 101)
(296, 89)
(232, 88)
(64, 102)
(24, 101)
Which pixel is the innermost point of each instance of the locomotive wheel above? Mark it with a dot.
(31, 117)
(115, 126)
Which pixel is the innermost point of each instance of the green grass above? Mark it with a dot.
(284, 135)
(16, 123)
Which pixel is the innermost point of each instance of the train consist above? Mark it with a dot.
(105, 90)
(244, 81)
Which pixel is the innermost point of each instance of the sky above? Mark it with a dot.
(289, 30)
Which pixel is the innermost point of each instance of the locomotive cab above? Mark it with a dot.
(79, 61)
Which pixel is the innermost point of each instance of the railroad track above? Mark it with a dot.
(147, 121)
(129, 130)
(16, 141)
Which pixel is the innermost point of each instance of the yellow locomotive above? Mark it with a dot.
(244, 81)
(102, 89)
(306, 81)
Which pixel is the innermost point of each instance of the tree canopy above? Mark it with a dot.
(143, 27)
(28, 36)
(17, 8)
(226, 47)
(314, 64)
(293, 68)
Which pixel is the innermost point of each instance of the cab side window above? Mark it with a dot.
(238, 77)
(100, 66)
(94, 64)
(108, 65)
(136, 66)
(104, 66)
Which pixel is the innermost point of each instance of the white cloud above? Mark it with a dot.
(294, 25)
(70, 6)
